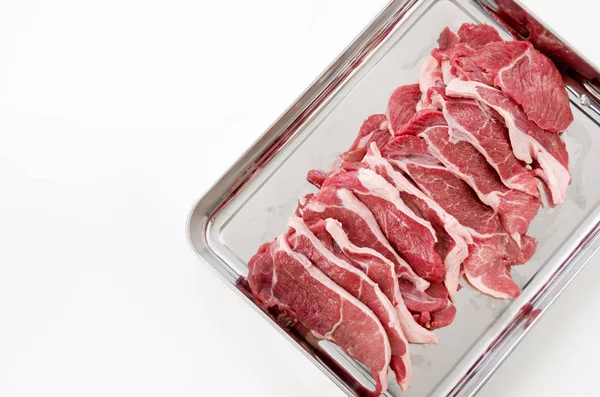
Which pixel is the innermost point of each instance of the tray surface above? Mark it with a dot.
(252, 203)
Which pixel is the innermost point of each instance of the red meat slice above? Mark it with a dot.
(279, 277)
(360, 224)
(357, 283)
(529, 142)
(418, 301)
(380, 270)
(474, 123)
(530, 79)
(477, 35)
(373, 130)
(492, 251)
(420, 121)
(515, 208)
(412, 237)
(402, 105)
(453, 238)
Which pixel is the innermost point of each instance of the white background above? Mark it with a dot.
(115, 116)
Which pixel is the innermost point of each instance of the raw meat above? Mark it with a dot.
(374, 129)
(443, 318)
(359, 223)
(418, 301)
(421, 120)
(515, 208)
(412, 237)
(530, 79)
(454, 237)
(402, 105)
(477, 35)
(455, 52)
(529, 142)
(357, 283)
(473, 122)
(492, 251)
(381, 270)
(281, 278)
(456, 59)
(443, 185)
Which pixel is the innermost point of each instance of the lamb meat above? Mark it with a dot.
(381, 270)
(282, 278)
(530, 143)
(318, 251)
(411, 236)
(360, 224)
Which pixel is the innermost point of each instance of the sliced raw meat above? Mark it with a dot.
(374, 129)
(436, 320)
(402, 105)
(279, 277)
(421, 120)
(455, 52)
(381, 270)
(492, 249)
(529, 142)
(447, 40)
(477, 35)
(429, 76)
(412, 237)
(456, 59)
(408, 146)
(473, 122)
(418, 301)
(530, 79)
(360, 224)
(357, 283)
(316, 177)
(424, 319)
(443, 318)
(515, 208)
(452, 236)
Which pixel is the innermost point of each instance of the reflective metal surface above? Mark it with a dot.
(252, 201)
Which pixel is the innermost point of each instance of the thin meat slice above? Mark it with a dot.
(381, 270)
(360, 224)
(373, 130)
(493, 250)
(456, 50)
(430, 76)
(473, 122)
(279, 277)
(402, 105)
(515, 208)
(456, 59)
(421, 120)
(419, 301)
(529, 142)
(453, 238)
(443, 318)
(477, 35)
(530, 79)
(412, 237)
(305, 242)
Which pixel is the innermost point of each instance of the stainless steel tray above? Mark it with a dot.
(252, 201)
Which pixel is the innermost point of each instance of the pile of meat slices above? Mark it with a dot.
(441, 186)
